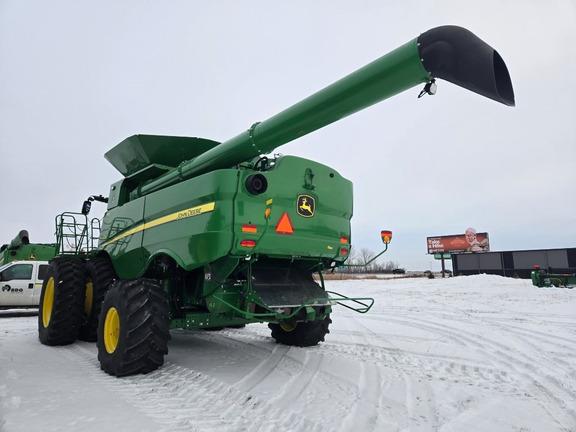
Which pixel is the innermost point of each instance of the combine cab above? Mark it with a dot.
(200, 234)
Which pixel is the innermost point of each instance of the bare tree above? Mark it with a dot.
(390, 266)
(366, 255)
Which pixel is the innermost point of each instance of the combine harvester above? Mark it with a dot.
(20, 249)
(200, 234)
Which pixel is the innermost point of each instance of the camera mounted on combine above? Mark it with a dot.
(200, 234)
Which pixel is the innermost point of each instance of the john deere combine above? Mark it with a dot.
(20, 249)
(200, 234)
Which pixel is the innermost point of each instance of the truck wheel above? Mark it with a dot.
(60, 309)
(99, 276)
(302, 334)
(133, 328)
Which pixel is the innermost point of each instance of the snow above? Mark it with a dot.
(469, 353)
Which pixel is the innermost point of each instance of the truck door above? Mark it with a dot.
(17, 285)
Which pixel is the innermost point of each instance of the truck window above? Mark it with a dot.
(42, 269)
(17, 271)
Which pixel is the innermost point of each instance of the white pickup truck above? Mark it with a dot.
(21, 283)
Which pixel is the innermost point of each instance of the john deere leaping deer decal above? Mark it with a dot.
(305, 205)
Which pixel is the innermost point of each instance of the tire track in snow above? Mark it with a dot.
(559, 401)
(304, 378)
(428, 365)
(368, 412)
(264, 369)
(300, 382)
(181, 399)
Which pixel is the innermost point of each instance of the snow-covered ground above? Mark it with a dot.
(476, 353)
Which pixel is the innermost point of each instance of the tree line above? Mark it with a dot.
(359, 257)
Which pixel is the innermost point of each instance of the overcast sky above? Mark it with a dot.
(77, 77)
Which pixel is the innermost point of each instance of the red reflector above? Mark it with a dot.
(343, 240)
(343, 251)
(248, 243)
(249, 228)
(284, 225)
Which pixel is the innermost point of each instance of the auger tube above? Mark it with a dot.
(448, 52)
(21, 239)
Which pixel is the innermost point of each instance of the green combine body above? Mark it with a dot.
(200, 234)
(20, 249)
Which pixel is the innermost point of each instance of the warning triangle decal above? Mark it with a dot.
(284, 225)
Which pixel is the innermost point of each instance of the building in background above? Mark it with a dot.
(513, 263)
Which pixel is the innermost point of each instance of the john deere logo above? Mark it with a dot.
(305, 206)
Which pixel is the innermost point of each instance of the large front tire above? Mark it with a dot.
(133, 328)
(99, 277)
(302, 334)
(61, 302)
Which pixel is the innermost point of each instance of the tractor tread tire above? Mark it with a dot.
(304, 335)
(67, 275)
(101, 272)
(142, 306)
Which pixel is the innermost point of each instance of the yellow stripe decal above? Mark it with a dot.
(179, 215)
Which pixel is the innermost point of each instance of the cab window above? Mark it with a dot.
(42, 269)
(17, 271)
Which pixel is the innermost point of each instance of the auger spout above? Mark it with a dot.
(448, 52)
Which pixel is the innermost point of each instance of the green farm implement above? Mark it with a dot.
(554, 277)
(200, 234)
(20, 249)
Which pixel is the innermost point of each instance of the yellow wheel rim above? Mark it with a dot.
(111, 330)
(289, 326)
(48, 302)
(89, 297)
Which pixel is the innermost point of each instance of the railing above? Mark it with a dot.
(75, 235)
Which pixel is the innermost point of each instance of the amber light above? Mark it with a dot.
(249, 228)
(343, 251)
(343, 239)
(248, 243)
(386, 236)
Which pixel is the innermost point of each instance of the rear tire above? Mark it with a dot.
(61, 302)
(302, 334)
(134, 327)
(99, 276)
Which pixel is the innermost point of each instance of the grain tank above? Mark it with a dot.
(202, 234)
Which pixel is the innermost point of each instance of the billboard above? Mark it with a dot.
(470, 241)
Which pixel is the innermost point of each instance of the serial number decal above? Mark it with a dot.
(179, 215)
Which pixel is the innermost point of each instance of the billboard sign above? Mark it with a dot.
(470, 241)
